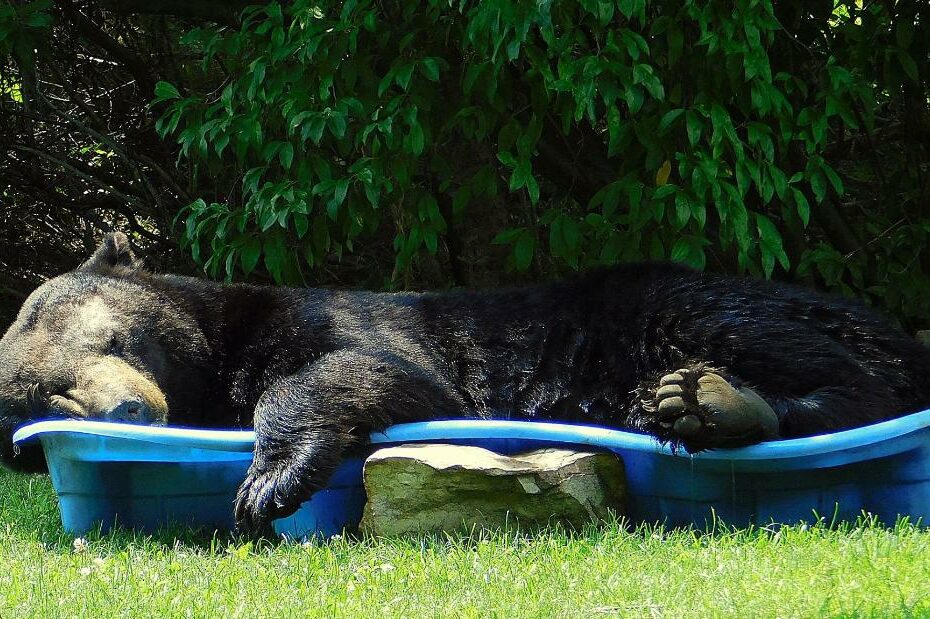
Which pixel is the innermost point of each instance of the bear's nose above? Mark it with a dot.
(133, 411)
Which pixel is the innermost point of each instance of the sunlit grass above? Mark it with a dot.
(867, 570)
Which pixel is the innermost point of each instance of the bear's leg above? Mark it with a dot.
(304, 423)
(830, 409)
(701, 407)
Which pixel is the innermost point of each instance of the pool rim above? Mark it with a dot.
(882, 438)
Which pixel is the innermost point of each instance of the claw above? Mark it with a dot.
(254, 507)
(37, 399)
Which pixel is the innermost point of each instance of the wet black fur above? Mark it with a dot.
(318, 370)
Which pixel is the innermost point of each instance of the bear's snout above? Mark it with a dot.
(113, 390)
(105, 388)
(133, 411)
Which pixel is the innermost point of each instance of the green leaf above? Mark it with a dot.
(779, 180)
(301, 224)
(532, 187)
(669, 118)
(430, 68)
(689, 251)
(337, 124)
(220, 143)
(833, 178)
(249, 253)
(507, 236)
(770, 245)
(699, 213)
(339, 193)
(819, 127)
(819, 186)
(417, 140)
(319, 235)
(523, 250)
(519, 175)
(695, 126)
(614, 131)
(314, 130)
(664, 191)
(286, 155)
(571, 235)
(768, 262)
(385, 82)
(267, 219)
(682, 210)
(431, 240)
(634, 98)
(402, 75)
(275, 256)
(803, 208)
(767, 230)
(461, 199)
(627, 7)
(507, 159)
(371, 193)
(165, 91)
(38, 19)
(564, 238)
(471, 76)
(230, 264)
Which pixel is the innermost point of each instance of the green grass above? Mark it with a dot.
(865, 570)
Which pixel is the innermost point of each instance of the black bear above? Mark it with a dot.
(695, 359)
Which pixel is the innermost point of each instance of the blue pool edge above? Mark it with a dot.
(854, 442)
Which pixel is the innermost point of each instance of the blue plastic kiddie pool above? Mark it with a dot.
(144, 477)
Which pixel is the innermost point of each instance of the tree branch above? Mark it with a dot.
(212, 10)
(126, 57)
(74, 168)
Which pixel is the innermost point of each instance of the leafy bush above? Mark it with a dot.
(716, 133)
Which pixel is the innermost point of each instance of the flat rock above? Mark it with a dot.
(438, 487)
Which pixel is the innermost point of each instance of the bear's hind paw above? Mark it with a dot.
(700, 409)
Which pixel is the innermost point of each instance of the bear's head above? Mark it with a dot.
(105, 342)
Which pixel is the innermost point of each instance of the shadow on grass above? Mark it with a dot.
(29, 512)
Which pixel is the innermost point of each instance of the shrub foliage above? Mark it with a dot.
(783, 139)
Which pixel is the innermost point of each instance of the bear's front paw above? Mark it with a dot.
(700, 409)
(263, 497)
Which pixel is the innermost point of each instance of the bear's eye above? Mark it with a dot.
(115, 346)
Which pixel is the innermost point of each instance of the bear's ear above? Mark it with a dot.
(113, 252)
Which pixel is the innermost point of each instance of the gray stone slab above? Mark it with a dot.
(437, 487)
